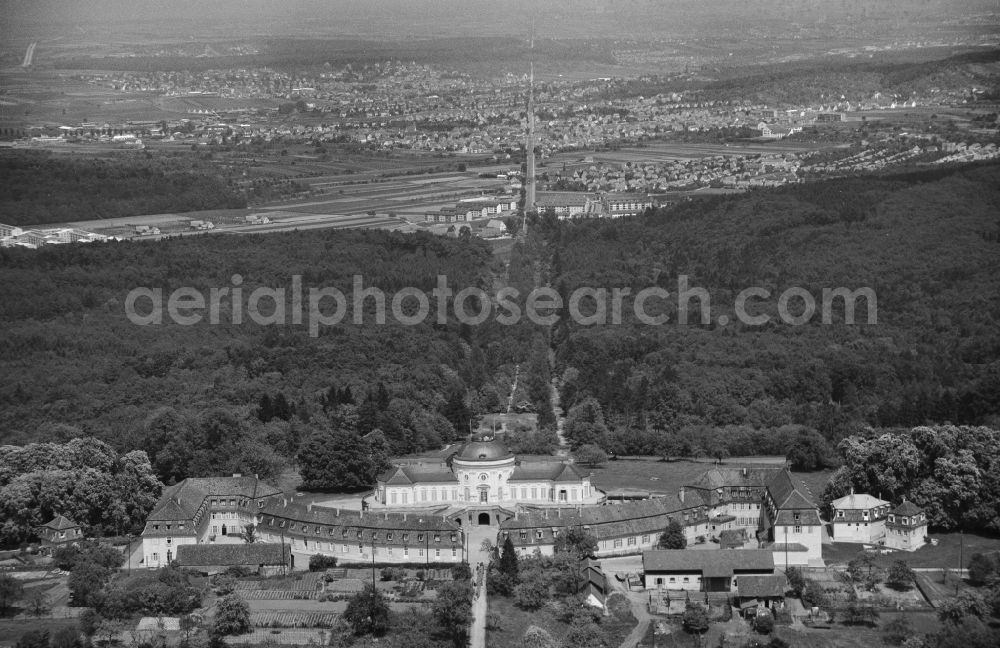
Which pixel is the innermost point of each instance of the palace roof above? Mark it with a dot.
(484, 451)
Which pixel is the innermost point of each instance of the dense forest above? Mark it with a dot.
(38, 187)
(243, 397)
(925, 242)
(212, 399)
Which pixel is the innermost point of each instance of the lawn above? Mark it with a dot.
(951, 548)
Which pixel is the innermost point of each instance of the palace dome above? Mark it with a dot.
(484, 451)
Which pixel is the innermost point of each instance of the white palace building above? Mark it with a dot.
(419, 512)
(485, 479)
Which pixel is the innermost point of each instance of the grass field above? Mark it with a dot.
(951, 549)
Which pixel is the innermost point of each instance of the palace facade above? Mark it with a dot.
(419, 513)
(484, 475)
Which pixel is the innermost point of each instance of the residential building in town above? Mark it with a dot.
(567, 204)
(617, 205)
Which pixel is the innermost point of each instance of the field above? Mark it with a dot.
(673, 151)
(293, 619)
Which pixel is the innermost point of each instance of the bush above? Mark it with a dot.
(461, 572)
(223, 584)
(897, 631)
(319, 562)
(983, 567)
(764, 623)
(619, 607)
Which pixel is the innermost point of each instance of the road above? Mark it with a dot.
(563, 449)
(479, 556)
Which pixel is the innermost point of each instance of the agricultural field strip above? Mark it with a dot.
(285, 619)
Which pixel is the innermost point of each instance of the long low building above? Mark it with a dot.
(704, 571)
(620, 528)
(260, 558)
(768, 506)
(362, 536)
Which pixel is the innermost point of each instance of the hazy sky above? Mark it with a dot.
(558, 18)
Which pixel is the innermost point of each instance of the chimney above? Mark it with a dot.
(680, 495)
(404, 517)
(284, 501)
(309, 507)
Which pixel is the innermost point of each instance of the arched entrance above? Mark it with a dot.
(484, 519)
